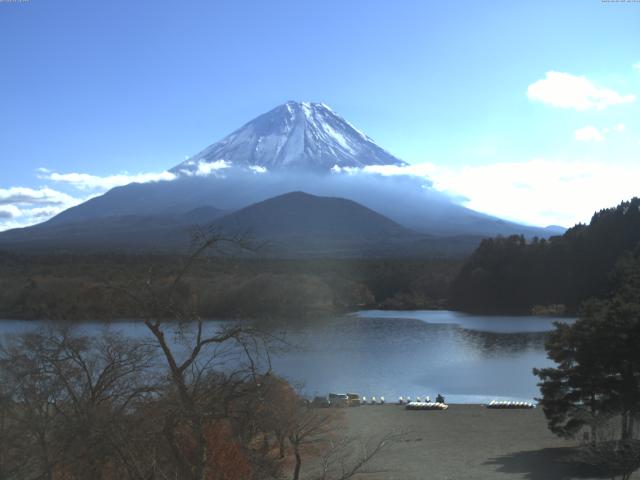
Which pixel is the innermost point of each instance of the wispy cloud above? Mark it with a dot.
(22, 196)
(257, 169)
(21, 206)
(8, 212)
(542, 191)
(423, 170)
(588, 134)
(203, 168)
(539, 191)
(85, 181)
(563, 90)
(594, 134)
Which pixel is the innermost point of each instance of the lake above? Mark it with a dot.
(467, 358)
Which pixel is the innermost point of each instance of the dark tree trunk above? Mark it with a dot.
(296, 471)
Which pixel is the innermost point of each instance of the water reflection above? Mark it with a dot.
(468, 358)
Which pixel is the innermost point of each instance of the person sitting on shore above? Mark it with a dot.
(439, 399)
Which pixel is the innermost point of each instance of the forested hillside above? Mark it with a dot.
(514, 275)
(82, 287)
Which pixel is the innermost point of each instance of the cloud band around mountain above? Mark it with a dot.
(22, 206)
(85, 181)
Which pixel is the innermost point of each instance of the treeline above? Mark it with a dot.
(93, 286)
(512, 275)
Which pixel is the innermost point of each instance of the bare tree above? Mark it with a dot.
(308, 426)
(70, 399)
(348, 456)
(209, 369)
(190, 401)
(314, 431)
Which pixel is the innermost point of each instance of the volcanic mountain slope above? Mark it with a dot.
(291, 225)
(294, 147)
(283, 150)
(131, 233)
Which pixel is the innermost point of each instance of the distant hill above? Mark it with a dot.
(299, 214)
(300, 224)
(511, 274)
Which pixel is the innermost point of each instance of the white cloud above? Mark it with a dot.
(34, 197)
(21, 206)
(636, 66)
(416, 170)
(563, 90)
(593, 134)
(588, 134)
(539, 191)
(257, 169)
(85, 181)
(203, 168)
(9, 212)
(207, 168)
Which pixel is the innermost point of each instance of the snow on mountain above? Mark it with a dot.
(295, 135)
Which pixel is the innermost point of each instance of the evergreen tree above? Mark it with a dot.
(596, 382)
(514, 275)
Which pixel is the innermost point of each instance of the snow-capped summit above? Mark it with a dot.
(295, 135)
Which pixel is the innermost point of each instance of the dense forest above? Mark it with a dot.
(512, 275)
(98, 286)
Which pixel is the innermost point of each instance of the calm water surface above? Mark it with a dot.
(467, 358)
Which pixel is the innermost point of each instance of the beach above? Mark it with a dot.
(465, 442)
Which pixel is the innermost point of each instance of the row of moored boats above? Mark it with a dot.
(420, 403)
(507, 404)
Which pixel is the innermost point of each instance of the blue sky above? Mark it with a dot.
(528, 109)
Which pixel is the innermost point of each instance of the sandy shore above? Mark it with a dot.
(465, 442)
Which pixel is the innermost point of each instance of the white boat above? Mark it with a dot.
(504, 404)
(426, 406)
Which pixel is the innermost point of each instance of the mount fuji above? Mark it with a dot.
(295, 136)
(296, 147)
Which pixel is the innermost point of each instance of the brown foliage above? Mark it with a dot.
(227, 459)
